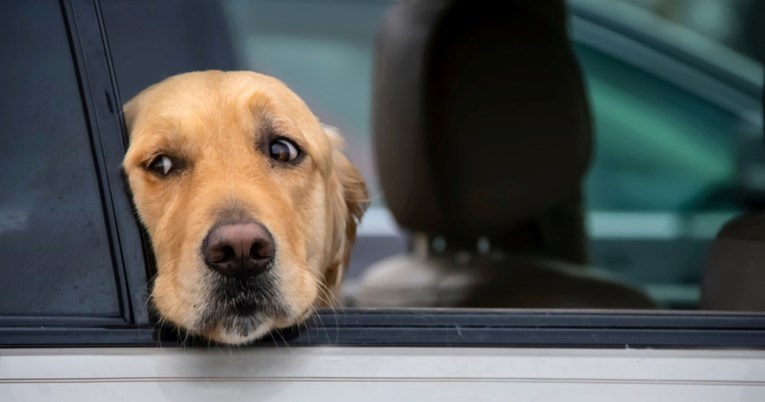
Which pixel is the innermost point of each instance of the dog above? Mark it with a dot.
(248, 200)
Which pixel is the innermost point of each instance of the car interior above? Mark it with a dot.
(492, 157)
(482, 135)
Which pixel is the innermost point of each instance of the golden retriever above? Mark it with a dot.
(249, 202)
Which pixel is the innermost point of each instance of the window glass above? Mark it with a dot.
(662, 182)
(54, 246)
(323, 51)
(193, 37)
(658, 147)
(737, 24)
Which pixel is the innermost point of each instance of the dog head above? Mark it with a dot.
(250, 204)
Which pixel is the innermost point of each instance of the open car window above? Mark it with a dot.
(675, 129)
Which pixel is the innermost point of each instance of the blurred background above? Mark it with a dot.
(675, 88)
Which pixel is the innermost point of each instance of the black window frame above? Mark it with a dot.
(109, 138)
(101, 104)
(349, 327)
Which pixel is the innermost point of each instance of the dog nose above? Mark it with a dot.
(240, 250)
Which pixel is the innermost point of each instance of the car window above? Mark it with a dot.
(658, 147)
(673, 155)
(53, 237)
(663, 178)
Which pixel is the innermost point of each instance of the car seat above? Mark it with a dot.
(482, 135)
(734, 276)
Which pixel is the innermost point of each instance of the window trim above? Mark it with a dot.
(519, 328)
(109, 142)
(734, 91)
(447, 328)
(103, 124)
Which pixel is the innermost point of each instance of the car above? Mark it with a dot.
(74, 322)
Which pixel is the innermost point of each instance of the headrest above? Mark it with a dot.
(480, 118)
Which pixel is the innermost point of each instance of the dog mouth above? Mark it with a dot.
(239, 292)
(242, 290)
(243, 309)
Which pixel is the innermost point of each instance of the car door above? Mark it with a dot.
(75, 323)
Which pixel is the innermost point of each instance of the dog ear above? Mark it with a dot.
(349, 200)
(132, 107)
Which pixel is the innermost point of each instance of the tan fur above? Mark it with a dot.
(213, 120)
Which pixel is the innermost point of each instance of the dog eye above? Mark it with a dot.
(161, 164)
(283, 150)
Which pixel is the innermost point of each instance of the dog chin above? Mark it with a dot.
(240, 330)
(235, 326)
